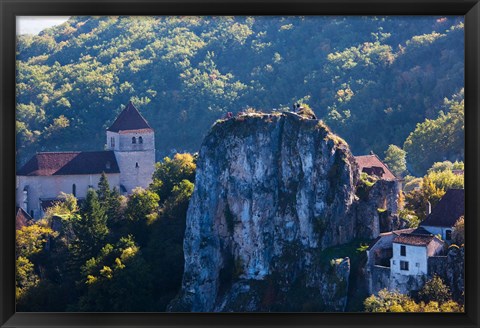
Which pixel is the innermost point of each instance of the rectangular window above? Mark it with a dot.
(404, 265)
(112, 142)
(417, 265)
(448, 235)
(403, 250)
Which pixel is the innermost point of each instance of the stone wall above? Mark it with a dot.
(49, 187)
(379, 278)
(451, 268)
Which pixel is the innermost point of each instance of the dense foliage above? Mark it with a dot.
(424, 193)
(374, 80)
(110, 253)
(393, 85)
(435, 296)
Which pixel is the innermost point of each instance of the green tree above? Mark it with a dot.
(110, 200)
(90, 228)
(387, 301)
(117, 279)
(438, 139)
(395, 159)
(419, 200)
(171, 172)
(25, 277)
(103, 191)
(142, 205)
(435, 290)
(31, 240)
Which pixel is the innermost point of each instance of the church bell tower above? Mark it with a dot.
(133, 142)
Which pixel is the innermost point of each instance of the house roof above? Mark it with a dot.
(129, 119)
(371, 163)
(448, 210)
(22, 219)
(70, 163)
(414, 239)
(389, 233)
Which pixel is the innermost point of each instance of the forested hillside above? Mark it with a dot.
(372, 79)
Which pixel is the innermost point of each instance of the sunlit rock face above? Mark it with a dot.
(272, 192)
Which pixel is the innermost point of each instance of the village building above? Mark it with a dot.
(128, 162)
(372, 165)
(404, 260)
(383, 204)
(447, 212)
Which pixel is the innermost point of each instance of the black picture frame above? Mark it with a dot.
(9, 9)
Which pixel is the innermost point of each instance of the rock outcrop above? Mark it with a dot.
(451, 268)
(273, 192)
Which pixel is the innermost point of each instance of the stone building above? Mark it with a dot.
(404, 260)
(381, 203)
(373, 165)
(128, 162)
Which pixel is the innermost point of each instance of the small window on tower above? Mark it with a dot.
(140, 140)
(74, 190)
(134, 140)
(112, 142)
(136, 165)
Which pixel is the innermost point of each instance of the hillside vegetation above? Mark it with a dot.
(376, 81)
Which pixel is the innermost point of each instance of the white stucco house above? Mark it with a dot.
(398, 260)
(128, 162)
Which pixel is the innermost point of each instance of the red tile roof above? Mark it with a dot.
(22, 219)
(129, 119)
(372, 164)
(413, 239)
(416, 237)
(68, 163)
(448, 210)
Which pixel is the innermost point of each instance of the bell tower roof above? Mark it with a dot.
(131, 120)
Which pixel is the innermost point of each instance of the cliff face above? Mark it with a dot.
(451, 269)
(272, 193)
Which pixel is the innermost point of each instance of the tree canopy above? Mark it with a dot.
(376, 81)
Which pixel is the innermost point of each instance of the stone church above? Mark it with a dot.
(128, 162)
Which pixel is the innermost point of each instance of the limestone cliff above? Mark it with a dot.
(451, 268)
(272, 193)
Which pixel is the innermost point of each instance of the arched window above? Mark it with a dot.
(134, 140)
(140, 140)
(136, 165)
(74, 190)
(112, 142)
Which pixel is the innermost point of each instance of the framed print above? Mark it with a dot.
(253, 164)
